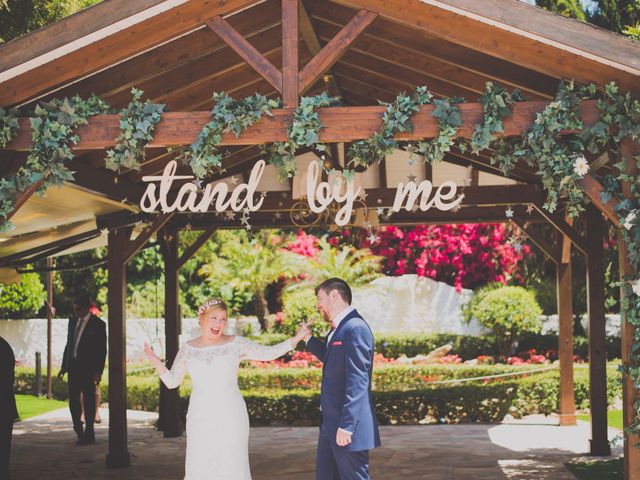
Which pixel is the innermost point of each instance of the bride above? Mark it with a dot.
(217, 420)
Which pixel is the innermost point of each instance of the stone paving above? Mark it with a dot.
(529, 449)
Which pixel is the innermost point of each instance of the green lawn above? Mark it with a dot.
(614, 416)
(609, 470)
(30, 406)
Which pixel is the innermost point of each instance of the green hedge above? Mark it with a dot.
(466, 346)
(474, 402)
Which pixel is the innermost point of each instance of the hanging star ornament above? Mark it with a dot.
(277, 216)
(372, 238)
(104, 232)
(230, 215)
(509, 212)
(188, 227)
(380, 211)
(412, 178)
(363, 195)
(530, 208)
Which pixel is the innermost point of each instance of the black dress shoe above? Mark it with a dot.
(87, 439)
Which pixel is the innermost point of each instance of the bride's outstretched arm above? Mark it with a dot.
(171, 378)
(254, 351)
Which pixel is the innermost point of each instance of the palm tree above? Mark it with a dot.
(354, 266)
(253, 265)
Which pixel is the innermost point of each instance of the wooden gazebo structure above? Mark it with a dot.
(180, 51)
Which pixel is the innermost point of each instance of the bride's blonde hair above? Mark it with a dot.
(216, 303)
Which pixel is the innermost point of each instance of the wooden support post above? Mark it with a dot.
(290, 53)
(49, 324)
(567, 411)
(629, 393)
(118, 456)
(597, 333)
(171, 422)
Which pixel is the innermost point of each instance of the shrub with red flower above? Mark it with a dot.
(465, 256)
(450, 359)
(304, 244)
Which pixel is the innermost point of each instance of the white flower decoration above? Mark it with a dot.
(636, 287)
(628, 221)
(581, 166)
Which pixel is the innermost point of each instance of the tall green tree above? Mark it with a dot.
(244, 264)
(19, 17)
(568, 8)
(617, 15)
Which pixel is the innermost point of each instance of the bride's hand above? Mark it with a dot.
(304, 331)
(151, 355)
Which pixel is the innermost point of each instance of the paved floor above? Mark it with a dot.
(530, 449)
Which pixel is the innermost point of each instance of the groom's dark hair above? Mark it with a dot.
(336, 284)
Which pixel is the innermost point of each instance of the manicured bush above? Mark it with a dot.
(24, 299)
(299, 305)
(508, 312)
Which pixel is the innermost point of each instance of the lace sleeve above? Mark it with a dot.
(254, 351)
(173, 378)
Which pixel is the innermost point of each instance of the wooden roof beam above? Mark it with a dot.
(247, 51)
(146, 235)
(336, 47)
(341, 124)
(549, 250)
(563, 227)
(593, 189)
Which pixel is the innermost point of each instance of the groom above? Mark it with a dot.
(348, 426)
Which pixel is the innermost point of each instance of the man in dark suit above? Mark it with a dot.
(83, 360)
(348, 428)
(8, 410)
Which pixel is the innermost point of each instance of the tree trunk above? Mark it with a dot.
(260, 306)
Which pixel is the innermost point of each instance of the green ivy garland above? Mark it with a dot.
(137, 125)
(9, 125)
(54, 126)
(449, 122)
(396, 119)
(227, 115)
(304, 131)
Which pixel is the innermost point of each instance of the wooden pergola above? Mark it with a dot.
(180, 51)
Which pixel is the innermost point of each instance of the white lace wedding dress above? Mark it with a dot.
(217, 420)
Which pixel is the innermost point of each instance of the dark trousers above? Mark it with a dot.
(82, 383)
(338, 463)
(6, 430)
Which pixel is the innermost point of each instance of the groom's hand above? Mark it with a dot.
(343, 438)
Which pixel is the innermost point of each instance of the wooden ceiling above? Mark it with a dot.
(176, 59)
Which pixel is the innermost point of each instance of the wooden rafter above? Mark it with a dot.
(333, 50)
(248, 52)
(561, 225)
(195, 246)
(22, 197)
(593, 189)
(146, 235)
(546, 248)
(341, 124)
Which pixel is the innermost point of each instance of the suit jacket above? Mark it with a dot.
(92, 349)
(345, 398)
(8, 409)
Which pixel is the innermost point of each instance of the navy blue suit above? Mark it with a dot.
(346, 401)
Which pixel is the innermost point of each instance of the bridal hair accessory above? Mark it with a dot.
(208, 304)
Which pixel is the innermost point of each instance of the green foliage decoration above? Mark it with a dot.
(449, 121)
(137, 125)
(303, 132)
(396, 119)
(9, 125)
(54, 126)
(227, 115)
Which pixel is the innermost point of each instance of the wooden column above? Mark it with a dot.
(597, 333)
(629, 393)
(118, 456)
(290, 53)
(49, 323)
(171, 423)
(567, 411)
